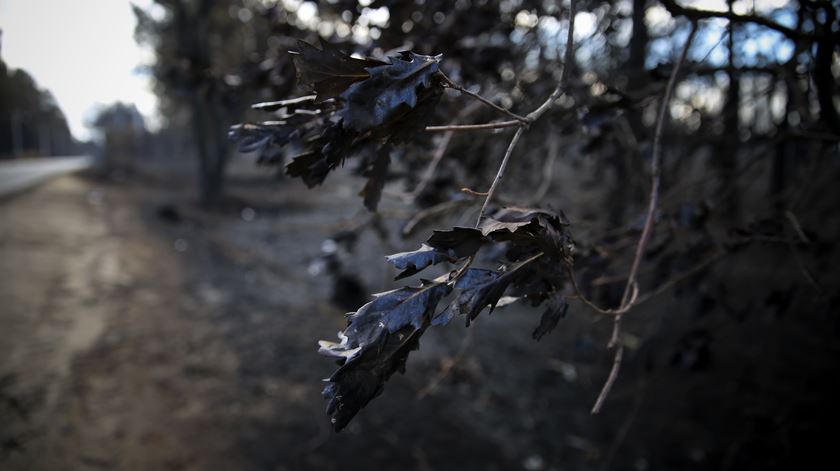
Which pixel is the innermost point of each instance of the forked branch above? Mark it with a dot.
(631, 289)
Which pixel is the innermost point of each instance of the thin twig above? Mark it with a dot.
(548, 169)
(797, 228)
(500, 173)
(616, 366)
(447, 367)
(283, 103)
(809, 277)
(411, 196)
(474, 127)
(655, 170)
(794, 222)
(695, 15)
(453, 277)
(622, 432)
(471, 192)
(480, 98)
(533, 116)
(581, 296)
(440, 151)
(712, 259)
(421, 215)
(568, 65)
(537, 113)
(680, 278)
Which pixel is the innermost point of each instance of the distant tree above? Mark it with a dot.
(31, 123)
(123, 135)
(211, 59)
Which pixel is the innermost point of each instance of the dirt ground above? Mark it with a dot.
(141, 333)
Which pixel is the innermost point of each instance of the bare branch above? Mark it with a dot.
(471, 192)
(474, 127)
(447, 367)
(440, 151)
(570, 271)
(548, 169)
(695, 15)
(429, 212)
(616, 366)
(568, 65)
(794, 222)
(500, 173)
(631, 288)
(535, 115)
(681, 277)
(480, 98)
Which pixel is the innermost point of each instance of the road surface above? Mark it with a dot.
(18, 175)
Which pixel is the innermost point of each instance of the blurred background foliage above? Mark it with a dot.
(745, 84)
(731, 368)
(30, 121)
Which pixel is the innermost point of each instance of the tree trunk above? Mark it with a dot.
(823, 78)
(727, 156)
(211, 147)
(628, 161)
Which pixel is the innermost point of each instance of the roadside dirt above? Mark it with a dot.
(137, 342)
(140, 333)
(100, 323)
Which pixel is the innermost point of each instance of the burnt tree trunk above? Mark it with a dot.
(726, 158)
(627, 161)
(824, 80)
(208, 127)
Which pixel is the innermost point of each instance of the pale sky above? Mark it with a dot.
(83, 51)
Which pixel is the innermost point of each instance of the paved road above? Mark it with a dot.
(18, 175)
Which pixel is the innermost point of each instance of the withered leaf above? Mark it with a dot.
(257, 137)
(328, 152)
(489, 226)
(458, 242)
(415, 261)
(513, 214)
(363, 377)
(375, 344)
(358, 104)
(442, 246)
(374, 101)
(529, 231)
(328, 71)
(480, 288)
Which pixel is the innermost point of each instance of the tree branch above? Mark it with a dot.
(537, 113)
(500, 173)
(449, 83)
(695, 15)
(631, 288)
(474, 127)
